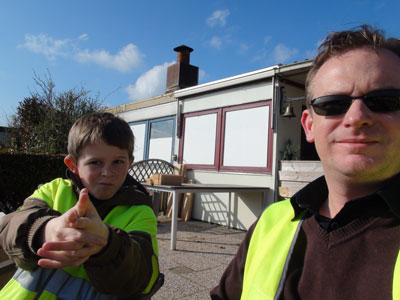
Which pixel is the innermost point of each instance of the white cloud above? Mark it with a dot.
(260, 56)
(218, 18)
(83, 37)
(267, 39)
(216, 42)
(46, 45)
(243, 48)
(124, 61)
(149, 84)
(282, 54)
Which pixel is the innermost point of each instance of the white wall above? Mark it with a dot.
(244, 208)
(252, 92)
(290, 128)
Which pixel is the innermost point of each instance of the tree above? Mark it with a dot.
(43, 119)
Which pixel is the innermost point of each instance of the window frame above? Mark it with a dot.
(220, 139)
(217, 139)
(148, 132)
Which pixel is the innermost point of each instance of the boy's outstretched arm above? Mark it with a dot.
(18, 231)
(72, 238)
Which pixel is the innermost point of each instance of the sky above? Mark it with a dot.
(120, 50)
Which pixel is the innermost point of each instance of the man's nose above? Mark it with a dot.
(358, 115)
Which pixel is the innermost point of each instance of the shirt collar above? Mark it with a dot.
(313, 195)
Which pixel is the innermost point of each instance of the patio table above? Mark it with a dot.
(203, 188)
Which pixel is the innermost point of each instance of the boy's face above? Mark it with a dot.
(102, 168)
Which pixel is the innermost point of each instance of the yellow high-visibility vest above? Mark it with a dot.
(269, 252)
(73, 282)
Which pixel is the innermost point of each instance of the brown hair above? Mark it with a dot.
(337, 43)
(99, 127)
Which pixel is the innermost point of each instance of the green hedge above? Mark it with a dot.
(20, 174)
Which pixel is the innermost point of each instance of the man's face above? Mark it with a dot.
(361, 145)
(102, 169)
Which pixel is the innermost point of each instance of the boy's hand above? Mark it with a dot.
(74, 236)
(87, 217)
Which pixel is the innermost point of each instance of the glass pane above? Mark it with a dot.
(246, 137)
(200, 132)
(161, 135)
(139, 131)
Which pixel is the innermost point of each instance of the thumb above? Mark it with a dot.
(85, 207)
(83, 203)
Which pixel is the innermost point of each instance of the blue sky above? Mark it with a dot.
(121, 49)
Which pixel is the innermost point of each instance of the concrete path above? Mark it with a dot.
(202, 253)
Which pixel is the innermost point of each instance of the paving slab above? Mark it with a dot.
(203, 251)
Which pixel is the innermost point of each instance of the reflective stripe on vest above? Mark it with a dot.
(270, 250)
(59, 283)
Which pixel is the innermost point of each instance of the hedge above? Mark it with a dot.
(20, 175)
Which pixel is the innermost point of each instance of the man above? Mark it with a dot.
(339, 237)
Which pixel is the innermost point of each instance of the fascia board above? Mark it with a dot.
(226, 82)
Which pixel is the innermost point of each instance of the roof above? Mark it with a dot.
(296, 72)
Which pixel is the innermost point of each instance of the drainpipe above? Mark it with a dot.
(178, 133)
(276, 105)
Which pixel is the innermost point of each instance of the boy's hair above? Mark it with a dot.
(339, 42)
(99, 127)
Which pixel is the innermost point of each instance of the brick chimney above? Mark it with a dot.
(182, 74)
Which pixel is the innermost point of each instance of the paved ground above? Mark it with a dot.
(202, 253)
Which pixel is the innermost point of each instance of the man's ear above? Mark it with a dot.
(307, 122)
(69, 162)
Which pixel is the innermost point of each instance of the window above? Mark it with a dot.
(139, 131)
(200, 136)
(154, 139)
(236, 138)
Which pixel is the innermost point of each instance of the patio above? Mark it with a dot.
(202, 253)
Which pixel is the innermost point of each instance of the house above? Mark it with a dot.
(232, 130)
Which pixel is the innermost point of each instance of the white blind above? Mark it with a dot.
(199, 139)
(139, 131)
(246, 137)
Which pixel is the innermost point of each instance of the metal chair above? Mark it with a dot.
(145, 168)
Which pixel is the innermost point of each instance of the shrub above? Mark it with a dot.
(20, 175)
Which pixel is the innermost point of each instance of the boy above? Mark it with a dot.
(92, 236)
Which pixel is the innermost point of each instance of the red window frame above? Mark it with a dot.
(220, 138)
(217, 139)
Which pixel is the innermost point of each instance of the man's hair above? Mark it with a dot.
(99, 127)
(339, 42)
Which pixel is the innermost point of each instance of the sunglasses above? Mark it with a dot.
(382, 101)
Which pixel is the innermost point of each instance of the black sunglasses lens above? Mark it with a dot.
(383, 103)
(331, 105)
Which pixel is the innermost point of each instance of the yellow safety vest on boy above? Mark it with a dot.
(269, 252)
(70, 282)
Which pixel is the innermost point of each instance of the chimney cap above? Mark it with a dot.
(183, 48)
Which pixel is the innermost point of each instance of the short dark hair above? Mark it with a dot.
(99, 127)
(336, 43)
